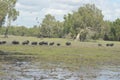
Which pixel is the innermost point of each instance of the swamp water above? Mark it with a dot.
(34, 70)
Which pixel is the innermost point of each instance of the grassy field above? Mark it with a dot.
(78, 54)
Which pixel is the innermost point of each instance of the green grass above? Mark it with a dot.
(78, 54)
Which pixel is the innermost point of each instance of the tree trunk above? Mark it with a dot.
(7, 28)
(6, 33)
(77, 37)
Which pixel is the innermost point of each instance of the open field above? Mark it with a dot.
(79, 53)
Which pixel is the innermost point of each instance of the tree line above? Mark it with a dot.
(86, 23)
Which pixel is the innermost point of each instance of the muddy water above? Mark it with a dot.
(46, 71)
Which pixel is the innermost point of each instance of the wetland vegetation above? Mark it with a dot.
(81, 59)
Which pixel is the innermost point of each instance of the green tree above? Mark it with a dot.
(112, 30)
(12, 14)
(57, 29)
(107, 25)
(68, 23)
(87, 19)
(34, 31)
(47, 24)
(3, 11)
(115, 30)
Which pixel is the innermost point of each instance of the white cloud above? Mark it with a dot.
(56, 11)
(30, 9)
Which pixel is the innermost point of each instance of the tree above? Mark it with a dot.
(87, 18)
(114, 33)
(117, 28)
(57, 29)
(12, 14)
(50, 27)
(47, 24)
(106, 30)
(68, 22)
(3, 11)
(34, 31)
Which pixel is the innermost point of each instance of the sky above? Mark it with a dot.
(32, 12)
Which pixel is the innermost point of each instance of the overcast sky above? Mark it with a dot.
(32, 12)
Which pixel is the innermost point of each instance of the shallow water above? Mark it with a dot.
(47, 71)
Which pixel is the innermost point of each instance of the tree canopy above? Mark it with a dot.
(3, 11)
(50, 27)
(87, 18)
